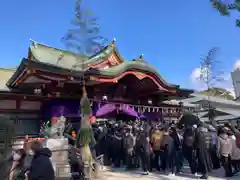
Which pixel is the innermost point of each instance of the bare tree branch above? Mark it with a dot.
(210, 70)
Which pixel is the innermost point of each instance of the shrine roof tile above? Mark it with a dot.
(55, 60)
(5, 75)
(66, 59)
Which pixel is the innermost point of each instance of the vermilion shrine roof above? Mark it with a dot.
(105, 66)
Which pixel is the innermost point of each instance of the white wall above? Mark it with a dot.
(236, 81)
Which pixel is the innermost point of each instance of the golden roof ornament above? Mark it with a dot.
(113, 42)
(141, 57)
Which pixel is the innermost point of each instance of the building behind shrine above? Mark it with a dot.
(47, 83)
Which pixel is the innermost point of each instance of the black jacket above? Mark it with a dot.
(41, 167)
(143, 144)
(168, 144)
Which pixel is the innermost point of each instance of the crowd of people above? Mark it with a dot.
(163, 147)
(29, 163)
(142, 144)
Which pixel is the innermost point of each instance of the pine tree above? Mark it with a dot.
(84, 39)
(225, 7)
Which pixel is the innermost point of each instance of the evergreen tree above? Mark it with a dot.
(84, 39)
(225, 7)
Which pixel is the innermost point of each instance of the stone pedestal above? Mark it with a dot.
(59, 158)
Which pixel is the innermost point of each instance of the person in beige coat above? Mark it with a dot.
(235, 154)
(156, 141)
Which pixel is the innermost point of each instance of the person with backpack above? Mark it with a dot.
(224, 150)
(156, 139)
(168, 153)
(188, 148)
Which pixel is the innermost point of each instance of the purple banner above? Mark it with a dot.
(123, 108)
(129, 110)
(56, 108)
(105, 109)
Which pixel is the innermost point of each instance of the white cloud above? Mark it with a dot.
(195, 75)
(236, 65)
(195, 79)
(226, 83)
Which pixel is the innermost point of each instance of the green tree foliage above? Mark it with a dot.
(218, 92)
(84, 39)
(225, 7)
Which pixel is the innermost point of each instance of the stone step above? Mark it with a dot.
(62, 170)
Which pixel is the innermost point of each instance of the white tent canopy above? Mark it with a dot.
(229, 108)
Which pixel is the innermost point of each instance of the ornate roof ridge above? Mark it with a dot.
(35, 44)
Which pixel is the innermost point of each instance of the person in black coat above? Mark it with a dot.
(144, 150)
(41, 167)
(169, 153)
(177, 149)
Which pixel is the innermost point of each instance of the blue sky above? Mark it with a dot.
(172, 36)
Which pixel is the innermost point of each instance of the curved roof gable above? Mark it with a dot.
(133, 65)
(58, 59)
(66, 59)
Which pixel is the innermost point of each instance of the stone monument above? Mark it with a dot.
(58, 144)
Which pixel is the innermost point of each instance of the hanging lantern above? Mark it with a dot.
(149, 101)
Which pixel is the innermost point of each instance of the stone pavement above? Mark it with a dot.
(120, 174)
(108, 175)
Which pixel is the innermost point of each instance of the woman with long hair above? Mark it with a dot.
(17, 165)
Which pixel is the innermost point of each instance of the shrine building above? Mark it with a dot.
(47, 84)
